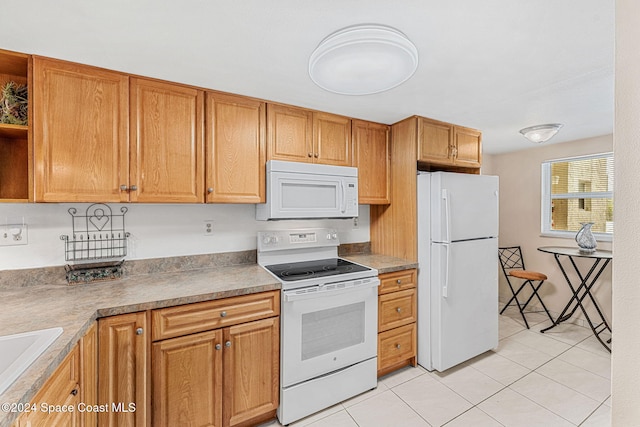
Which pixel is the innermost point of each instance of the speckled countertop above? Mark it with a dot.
(75, 308)
(382, 263)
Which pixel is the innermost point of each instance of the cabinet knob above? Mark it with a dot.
(399, 281)
(139, 331)
(124, 188)
(210, 190)
(218, 347)
(398, 346)
(399, 310)
(134, 188)
(309, 155)
(315, 155)
(223, 314)
(227, 344)
(74, 392)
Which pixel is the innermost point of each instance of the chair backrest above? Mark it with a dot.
(511, 258)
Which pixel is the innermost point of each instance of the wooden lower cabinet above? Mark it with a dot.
(123, 380)
(251, 372)
(187, 380)
(397, 316)
(227, 376)
(72, 387)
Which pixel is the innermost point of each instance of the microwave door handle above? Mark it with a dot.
(343, 203)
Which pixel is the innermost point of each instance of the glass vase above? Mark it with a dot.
(585, 239)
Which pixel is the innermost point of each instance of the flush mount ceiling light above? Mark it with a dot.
(363, 59)
(541, 133)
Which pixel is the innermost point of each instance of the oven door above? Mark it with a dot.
(328, 328)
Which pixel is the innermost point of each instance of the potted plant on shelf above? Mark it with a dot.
(14, 104)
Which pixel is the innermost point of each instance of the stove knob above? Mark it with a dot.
(266, 240)
(334, 236)
(328, 236)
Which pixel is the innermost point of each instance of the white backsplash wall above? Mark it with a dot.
(157, 230)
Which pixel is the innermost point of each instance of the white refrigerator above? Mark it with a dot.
(458, 267)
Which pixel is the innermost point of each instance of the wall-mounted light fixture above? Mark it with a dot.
(541, 133)
(363, 60)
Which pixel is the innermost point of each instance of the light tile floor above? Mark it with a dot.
(560, 378)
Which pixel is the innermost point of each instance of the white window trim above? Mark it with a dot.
(545, 226)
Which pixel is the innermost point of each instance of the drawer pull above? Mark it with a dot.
(399, 310)
(227, 344)
(398, 346)
(399, 281)
(74, 392)
(218, 347)
(223, 314)
(139, 331)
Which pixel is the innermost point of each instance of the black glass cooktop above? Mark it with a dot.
(293, 271)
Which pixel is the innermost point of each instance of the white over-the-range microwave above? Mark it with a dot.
(303, 190)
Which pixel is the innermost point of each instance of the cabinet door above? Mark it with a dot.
(468, 143)
(289, 134)
(167, 155)
(187, 380)
(62, 388)
(331, 139)
(372, 158)
(435, 141)
(251, 360)
(236, 149)
(89, 374)
(80, 130)
(122, 370)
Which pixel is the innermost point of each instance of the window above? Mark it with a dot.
(577, 190)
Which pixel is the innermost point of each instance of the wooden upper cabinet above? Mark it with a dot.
(289, 134)
(468, 143)
(371, 155)
(300, 135)
(236, 149)
(435, 141)
(80, 132)
(123, 366)
(167, 151)
(445, 144)
(331, 139)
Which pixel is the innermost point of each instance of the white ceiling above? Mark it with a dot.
(495, 65)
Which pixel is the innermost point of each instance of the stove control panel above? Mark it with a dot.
(294, 239)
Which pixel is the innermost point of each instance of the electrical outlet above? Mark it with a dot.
(13, 235)
(208, 227)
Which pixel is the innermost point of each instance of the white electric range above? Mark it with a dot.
(329, 320)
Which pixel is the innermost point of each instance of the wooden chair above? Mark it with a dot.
(512, 264)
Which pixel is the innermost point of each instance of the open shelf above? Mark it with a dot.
(13, 131)
(14, 139)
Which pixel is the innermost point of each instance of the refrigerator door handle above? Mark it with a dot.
(445, 288)
(447, 214)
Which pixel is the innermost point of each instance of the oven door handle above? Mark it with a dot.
(292, 295)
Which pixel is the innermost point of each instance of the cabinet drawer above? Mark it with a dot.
(397, 281)
(396, 309)
(396, 345)
(204, 316)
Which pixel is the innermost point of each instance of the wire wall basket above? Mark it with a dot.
(97, 234)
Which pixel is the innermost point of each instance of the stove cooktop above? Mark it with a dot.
(294, 271)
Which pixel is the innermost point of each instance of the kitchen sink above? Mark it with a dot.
(18, 351)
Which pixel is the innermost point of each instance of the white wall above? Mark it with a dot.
(158, 230)
(520, 213)
(626, 290)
